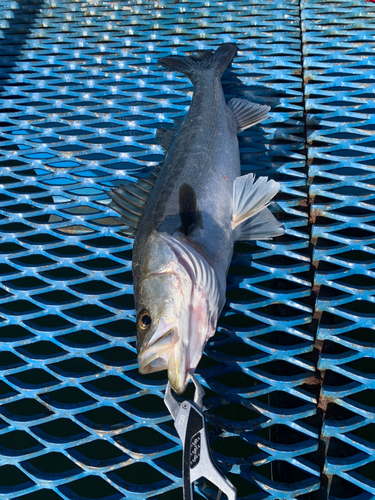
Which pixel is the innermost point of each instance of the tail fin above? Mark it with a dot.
(203, 61)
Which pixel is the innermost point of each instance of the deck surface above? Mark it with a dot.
(290, 373)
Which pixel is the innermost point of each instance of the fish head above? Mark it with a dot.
(177, 308)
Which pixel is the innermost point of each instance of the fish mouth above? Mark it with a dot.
(166, 353)
(154, 358)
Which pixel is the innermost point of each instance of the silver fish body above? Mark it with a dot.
(205, 155)
(185, 236)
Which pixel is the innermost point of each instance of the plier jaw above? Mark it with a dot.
(197, 461)
(174, 406)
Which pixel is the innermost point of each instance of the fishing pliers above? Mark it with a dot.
(197, 461)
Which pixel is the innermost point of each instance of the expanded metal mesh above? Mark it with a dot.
(339, 68)
(81, 99)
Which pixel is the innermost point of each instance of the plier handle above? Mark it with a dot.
(197, 461)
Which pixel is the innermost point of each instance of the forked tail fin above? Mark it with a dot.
(202, 62)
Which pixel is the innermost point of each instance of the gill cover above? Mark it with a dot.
(188, 315)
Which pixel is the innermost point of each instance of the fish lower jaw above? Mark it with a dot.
(155, 362)
(178, 372)
(155, 356)
(152, 364)
(179, 386)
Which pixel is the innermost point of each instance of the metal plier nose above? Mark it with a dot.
(197, 461)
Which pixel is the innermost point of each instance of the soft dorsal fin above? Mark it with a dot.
(188, 208)
(247, 113)
(249, 198)
(164, 137)
(130, 198)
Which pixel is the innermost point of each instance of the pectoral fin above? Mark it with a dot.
(247, 113)
(261, 226)
(250, 199)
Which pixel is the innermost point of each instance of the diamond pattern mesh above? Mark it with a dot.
(339, 67)
(81, 99)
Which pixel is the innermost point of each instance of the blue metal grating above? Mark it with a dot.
(339, 68)
(81, 99)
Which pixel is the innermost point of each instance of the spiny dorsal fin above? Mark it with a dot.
(188, 208)
(130, 198)
(247, 113)
(164, 137)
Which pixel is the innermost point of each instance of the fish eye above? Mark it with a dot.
(144, 320)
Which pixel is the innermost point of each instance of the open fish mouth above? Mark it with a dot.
(154, 357)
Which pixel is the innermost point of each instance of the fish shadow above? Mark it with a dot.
(268, 146)
(277, 149)
(15, 37)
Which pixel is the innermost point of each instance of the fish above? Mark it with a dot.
(187, 213)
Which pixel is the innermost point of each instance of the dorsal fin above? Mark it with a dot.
(130, 198)
(247, 113)
(188, 208)
(164, 137)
